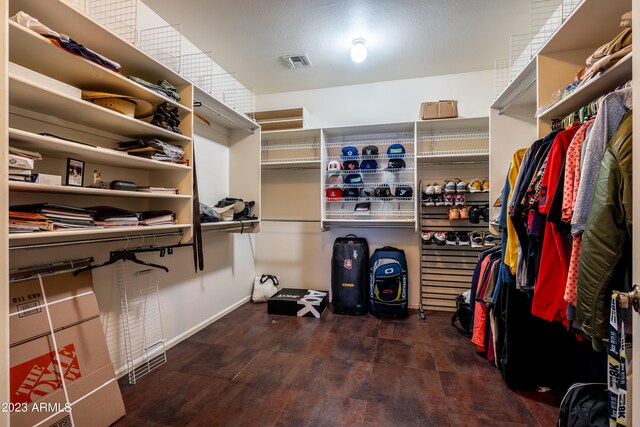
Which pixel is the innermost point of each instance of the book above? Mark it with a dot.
(25, 153)
(16, 171)
(20, 162)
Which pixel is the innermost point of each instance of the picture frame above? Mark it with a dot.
(75, 172)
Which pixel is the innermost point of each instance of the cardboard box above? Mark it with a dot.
(298, 302)
(19, 162)
(439, 110)
(36, 391)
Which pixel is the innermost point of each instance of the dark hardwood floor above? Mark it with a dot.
(254, 369)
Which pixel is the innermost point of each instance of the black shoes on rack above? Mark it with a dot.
(167, 117)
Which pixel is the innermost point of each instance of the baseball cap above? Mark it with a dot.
(349, 151)
(370, 150)
(350, 192)
(334, 166)
(368, 165)
(396, 150)
(333, 194)
(367, 192)
(351, 164)
(404, 191)
(396, 164)
(354, 178)
(383, 191)
(334, 179)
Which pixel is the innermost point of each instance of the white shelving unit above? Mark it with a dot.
(88, 132)
(382, 211)
(291, 149)
(463, 139)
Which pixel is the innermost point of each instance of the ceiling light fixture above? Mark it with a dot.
(358, 51)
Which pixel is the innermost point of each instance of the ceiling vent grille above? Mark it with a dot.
(297, 61)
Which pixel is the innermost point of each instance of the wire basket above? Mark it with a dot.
(198, 68)
(224, 88)
(120, 16)
(164, 44)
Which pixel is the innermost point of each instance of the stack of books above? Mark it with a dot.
(157, 217)
(154, 149)
(21, 164)
(60, 216)
(25, 222)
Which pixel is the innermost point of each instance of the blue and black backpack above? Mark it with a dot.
(388, 280)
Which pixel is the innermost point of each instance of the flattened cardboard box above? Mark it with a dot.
(298, 302)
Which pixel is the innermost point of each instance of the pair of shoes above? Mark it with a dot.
(477, 186)
(432, 189)
(460, 238)
(455, 186)
(439, 238)
(480, 239)
(450, 199)
(167, 117)
(458, 213)
(476, 213)
(437, 201)
(459, 200)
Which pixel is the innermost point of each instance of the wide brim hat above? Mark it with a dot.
(128, 105)
(227, 212)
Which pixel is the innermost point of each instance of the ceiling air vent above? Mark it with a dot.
(297, 61)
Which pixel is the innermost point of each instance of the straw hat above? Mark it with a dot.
(123, 104)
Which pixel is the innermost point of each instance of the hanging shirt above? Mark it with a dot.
(572, 171)
(511, 253)
(610, 114)
(548, 299)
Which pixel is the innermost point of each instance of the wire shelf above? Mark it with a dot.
(290, 160)
(376, 157)
(451, 153)
(406, 142)
(408, 214)
(371, 171)
(198, 68)
(372, 199)
(141, 317)
(368, 185)
(164, 44)
(455, 137)
(120, 16)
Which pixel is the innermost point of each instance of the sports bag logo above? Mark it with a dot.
(348, 263)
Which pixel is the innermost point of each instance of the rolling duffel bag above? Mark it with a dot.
(350, 275)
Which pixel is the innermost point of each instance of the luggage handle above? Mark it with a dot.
(351, 235)
(266, 277)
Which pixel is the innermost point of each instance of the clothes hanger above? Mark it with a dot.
(122, 255)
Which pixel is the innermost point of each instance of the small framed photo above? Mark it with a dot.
(75, 172)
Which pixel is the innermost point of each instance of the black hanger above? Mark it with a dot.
(123, 255)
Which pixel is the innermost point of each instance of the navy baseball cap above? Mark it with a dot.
(350, 192)
(368, 165)
(404, 191)
(396, 150)
(383, 191)
(349, 152)
(396, 164)
(354, 178)
(370, 150)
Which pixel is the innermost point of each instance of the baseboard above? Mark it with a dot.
(122, 371)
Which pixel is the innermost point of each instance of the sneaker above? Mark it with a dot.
(438, 200)
(461, 186)
(437, 189)
(485, 185)
(477, 239)
(453, 214)
(452, 238)
(459, 200)
(475, 186)
(463, 238)
(464, 212)
(429, 190)
(448, 199)
(439, 238)
(426, 237)
(449, 187)
(474, 215)
(428, 201)
(489, 240)
(484, 213)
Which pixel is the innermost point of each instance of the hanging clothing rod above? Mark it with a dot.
(197, 103)
(503, 109)
(88, 241)
(24, 273)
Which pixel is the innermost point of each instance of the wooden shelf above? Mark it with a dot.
(225, 225)
(35, 97)
(60, 148)
(50, 236)
(459, 124)
(303, 164)
(451, 156)
(220, 113)
(63, 189)
(521, 90)
(590, 25)
(30, 50)
(64, 18)
(609, 80)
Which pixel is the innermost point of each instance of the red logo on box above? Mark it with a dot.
(348, 264)
(32, 380)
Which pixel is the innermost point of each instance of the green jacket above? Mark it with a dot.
(606, 244)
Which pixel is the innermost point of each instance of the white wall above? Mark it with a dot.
(303, 255)
(386, 102)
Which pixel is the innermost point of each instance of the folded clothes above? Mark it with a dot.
(163, 88)
(621, 41)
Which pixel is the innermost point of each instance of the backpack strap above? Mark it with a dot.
(454, 318)
(266, 277)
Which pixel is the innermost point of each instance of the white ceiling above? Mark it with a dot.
(405, 38)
